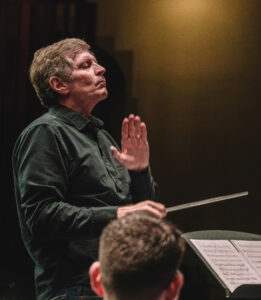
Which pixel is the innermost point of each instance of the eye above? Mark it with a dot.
(86, 64)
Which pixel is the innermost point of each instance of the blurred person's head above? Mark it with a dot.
(139, 257)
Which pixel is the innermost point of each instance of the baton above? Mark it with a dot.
(207, 201)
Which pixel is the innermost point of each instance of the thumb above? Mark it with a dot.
(116, 153)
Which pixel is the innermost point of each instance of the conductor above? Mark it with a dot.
(70, 177)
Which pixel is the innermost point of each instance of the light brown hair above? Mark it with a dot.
(54, 60)
(139, 256)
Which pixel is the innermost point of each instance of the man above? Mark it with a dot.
(70, 177)
(139, 257)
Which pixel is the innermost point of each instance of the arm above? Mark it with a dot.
(143, 186)
(41, 173)
(135, 157)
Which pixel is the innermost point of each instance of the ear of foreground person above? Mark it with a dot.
(139, 258)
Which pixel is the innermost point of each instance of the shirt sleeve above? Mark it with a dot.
(143, 186)
(40, 166)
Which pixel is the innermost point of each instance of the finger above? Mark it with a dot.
(143, 131)
(116, 153)
(156, 205)
(137, 127)
(123, 210)
(155, 212)
(131, 126)
(150, 209)
(125, 129)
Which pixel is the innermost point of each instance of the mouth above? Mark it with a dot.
(101, 83)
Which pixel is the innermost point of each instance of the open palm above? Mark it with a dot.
(134, 145)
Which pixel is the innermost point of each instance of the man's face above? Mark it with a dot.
(88, 85)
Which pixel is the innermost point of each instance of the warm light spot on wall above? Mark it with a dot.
(192, 6)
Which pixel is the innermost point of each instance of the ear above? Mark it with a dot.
(175, 286)
(58, 85)
(95, 277)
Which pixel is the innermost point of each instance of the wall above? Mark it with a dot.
(196, 76)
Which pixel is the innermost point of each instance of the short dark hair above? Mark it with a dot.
(139, 255)
(54, 60)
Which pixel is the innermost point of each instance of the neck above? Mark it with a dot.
(84, 111)
(107, 296)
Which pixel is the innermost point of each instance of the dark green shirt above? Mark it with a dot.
(68, 187)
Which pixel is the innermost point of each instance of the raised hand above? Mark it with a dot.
(134, 153)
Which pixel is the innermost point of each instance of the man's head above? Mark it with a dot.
(67, 69)
(139, 257)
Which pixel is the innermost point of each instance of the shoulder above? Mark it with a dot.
(41, 138)
(42, 131)
(46, 120)
(45, 123)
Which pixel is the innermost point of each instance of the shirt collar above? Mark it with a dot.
(76, 119)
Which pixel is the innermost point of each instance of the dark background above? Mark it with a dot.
(221, 155)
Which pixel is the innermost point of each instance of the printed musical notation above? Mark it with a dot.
(235, 262)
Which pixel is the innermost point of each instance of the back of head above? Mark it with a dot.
(139, 255)
(54, 60)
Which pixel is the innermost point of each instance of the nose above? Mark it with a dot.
(99, 70)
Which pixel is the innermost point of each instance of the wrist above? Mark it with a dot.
(119, 212)
(122, 211)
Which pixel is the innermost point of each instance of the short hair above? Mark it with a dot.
(54, 60)
(139, 256)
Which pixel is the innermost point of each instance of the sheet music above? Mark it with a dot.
(227, 262)
(252, 252)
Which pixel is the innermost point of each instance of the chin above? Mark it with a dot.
(104, 95)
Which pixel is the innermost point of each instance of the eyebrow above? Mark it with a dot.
(85, 58)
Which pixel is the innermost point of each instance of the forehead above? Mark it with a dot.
(83, 56)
